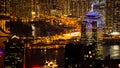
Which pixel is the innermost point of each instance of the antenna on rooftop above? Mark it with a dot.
(92, 5)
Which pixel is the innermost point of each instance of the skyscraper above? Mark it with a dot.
(20, 8)
(112, 13)
(79, 8)
(4, 7)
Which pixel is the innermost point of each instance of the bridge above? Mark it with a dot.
(4, 32)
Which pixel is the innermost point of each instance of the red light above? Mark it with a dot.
(24, 66)
(36, 66)
(1, 53)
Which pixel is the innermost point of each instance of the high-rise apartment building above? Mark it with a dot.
(79, 8)
(20, 8)
(4, 7)
(112, 13)
(53, 7)
(24, 8)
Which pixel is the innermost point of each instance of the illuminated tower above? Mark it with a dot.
(92, 34)
(92, 30)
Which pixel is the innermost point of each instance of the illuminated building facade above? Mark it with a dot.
(112, 13)
(14, 54)
(92, 25)
(101, 9)
(20, 8)
(4, 7)
(24, 8)
(53, 7)
(75, 8)
(92, 35)
(79, 8)
(4, 13)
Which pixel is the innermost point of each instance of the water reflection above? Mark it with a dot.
(45, 58)
(54, 58)
(112, 50)
(115, 52)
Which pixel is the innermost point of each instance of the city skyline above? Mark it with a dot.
(60, 33)
(109, 10)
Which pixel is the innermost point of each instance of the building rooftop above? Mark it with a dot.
(92, 13)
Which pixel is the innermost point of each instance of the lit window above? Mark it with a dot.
(90, 65)
(103, 65)
(119, 65)
(84, 55)
(91, 56)
(87, 56)
(93, 53)
(116, 47)
(90, 52)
